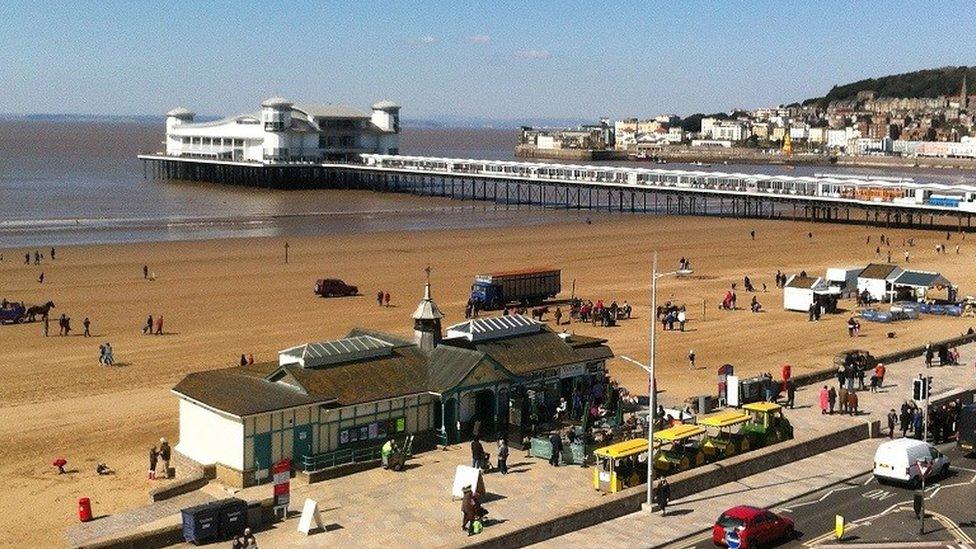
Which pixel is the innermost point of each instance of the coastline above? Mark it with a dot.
(739, 155)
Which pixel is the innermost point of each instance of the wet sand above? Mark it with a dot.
(221, 298)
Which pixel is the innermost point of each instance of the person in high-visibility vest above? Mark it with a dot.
(385, 453)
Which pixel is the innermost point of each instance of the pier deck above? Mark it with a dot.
(885, 202)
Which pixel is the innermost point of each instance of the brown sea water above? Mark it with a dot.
(80, 182)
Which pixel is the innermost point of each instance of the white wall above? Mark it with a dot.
(797, 299)
(876, 288)
(210, 437)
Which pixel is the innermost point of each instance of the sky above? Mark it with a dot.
(494, 60)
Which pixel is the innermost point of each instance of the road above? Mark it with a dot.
(877, 513)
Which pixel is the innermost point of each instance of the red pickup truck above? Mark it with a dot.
(333, 287)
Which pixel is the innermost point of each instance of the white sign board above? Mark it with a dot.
(467, 477)
(732, 391)
(310, 514)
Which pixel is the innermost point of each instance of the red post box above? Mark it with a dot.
(787, 372)
(84, 509)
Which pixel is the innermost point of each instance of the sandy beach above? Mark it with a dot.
(221, 298)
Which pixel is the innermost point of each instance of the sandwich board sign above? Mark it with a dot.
(467, 477)
(310, 515)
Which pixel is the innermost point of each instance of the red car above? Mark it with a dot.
(333, 287)
(750, 527)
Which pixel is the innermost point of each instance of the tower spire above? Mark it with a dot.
(427, 320)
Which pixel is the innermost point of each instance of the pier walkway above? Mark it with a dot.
(893, 202)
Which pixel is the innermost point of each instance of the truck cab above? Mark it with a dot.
(488, 295)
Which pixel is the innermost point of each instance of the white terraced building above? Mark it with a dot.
(283, 131)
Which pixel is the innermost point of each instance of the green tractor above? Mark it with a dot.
(768, 425)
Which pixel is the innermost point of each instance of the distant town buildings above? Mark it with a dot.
(866, 124)
(283, 131)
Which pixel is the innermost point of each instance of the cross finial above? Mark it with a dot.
(427, 270)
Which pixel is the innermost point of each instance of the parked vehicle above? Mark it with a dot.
(13, 313)
(897, 460)
(527, 287)
(333, 287)
(967, 429)
(748, 527)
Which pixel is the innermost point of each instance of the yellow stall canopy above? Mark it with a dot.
(679, 432)
(725, 418)
(623, 449)
(764, 407)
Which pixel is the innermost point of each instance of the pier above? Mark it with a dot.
(840, 199)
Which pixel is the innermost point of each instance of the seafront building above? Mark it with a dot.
(332, 404)
(283, 131)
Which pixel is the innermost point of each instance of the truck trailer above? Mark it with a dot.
(525, 287)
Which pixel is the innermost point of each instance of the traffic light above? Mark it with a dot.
(921, 388)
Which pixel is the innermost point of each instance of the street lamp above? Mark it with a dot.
(651, 394)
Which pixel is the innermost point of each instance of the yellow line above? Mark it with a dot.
(950, 525)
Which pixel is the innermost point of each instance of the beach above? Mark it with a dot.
(222, 298)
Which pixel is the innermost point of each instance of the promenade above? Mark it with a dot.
(697, 512)
(414, 508)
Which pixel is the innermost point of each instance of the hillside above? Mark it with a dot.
(924, 83)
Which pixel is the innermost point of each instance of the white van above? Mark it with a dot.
(896, 460)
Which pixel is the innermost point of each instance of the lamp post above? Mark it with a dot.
(652, 390)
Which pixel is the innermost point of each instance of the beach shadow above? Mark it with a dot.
(121, 364)
(678, 512)
(410, 466)
(489, 497)
(517, 471)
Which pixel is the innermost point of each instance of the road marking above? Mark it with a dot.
(789, 509)
(868, 481)
(878, 494)
(963, 468)
(950, 525)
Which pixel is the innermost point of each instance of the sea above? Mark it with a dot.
(79, 182)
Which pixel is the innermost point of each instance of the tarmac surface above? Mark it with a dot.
(878, 513)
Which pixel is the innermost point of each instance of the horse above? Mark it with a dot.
(42, 310)
(539, 313)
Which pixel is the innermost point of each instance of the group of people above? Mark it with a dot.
(106, 356)
(38, 256)
(946, 355)
(247, 360)
(942, 422)
(162, 452)
(152, 327)
(599, 313)
(670, 314)
(383, 298)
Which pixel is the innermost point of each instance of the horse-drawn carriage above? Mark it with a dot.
(13, 313)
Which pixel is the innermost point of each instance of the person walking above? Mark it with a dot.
(379, 298)
(557, 449)
(691, 359)
(477, 453)
(52, 254)
(682, 317)
(153, 459)
(842, 400)
(109, 356)
(790, 392)
(147, 329)
(663, 496)
(824, 400)
(852, 403)
(860, 378)
(40, 279)
(243, 360)
(559, 316)
(159, 325)
(904, 418)
(87, 324)
(101, 354)
(145, 271)
(164, 454)
(879, 372)
(386, 298)
(503, 455)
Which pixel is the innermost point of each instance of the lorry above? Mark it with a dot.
(525, 287)
(967, 429)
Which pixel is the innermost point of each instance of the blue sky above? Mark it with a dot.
(503, 60)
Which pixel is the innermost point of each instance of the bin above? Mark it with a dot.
(787, 371)
(84, 509)
(233, 517)
(201, 523)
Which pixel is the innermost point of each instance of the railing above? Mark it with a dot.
(345, 456)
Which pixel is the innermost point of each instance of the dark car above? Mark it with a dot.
(751, 527)
(333, 287)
